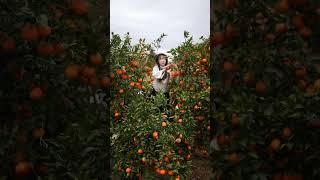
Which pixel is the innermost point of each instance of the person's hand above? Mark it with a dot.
(167, 67)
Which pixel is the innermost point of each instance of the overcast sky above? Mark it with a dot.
(149, 19)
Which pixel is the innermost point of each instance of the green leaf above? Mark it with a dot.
(88, 150)
(43, 20)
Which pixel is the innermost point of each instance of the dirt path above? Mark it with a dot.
(201, 168)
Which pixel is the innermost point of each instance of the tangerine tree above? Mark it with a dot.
(146, 141)
(53, 65)
(266, 90)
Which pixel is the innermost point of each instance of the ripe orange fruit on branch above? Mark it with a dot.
(132, 84)
(223, 140)
(58, 48)
(170, 173)
(138, 85)
(204, 61)
(281, 28)
(44, 31)
(199, 118)
(88, 72)
(188, 156)
(297, 3)
(233, 158)
(163, 124)
(293, 177)
(29, 32)
(305, 32)
(228, 66)
(143, 159)
(105, 82)
(9, 45)
(37, 133)
(230, 31)
(261, 87)
(155, 135)
(301, 72)
(162, 171)
(116, 115)
(235, 120)
(166, 159)
(121, 91)
(270, 38)
(23, 168)
(19, 156)
(36, 93)
(282, 6)
(178, 140)
(128, 170)
(316, 84)
(297, 21)
(112, 76)
(218, 38)
(275, 144)
(96, 59)
(125, 77)
(286, 133)
(72, 71)
(230, 4)
(140, 151)
(94, 81)
(45, 49)
(135, 63)
(79, 7)
(302, 84)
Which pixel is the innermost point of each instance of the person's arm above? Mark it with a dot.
(158, 74)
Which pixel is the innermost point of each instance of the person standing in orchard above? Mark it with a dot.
(161, 76)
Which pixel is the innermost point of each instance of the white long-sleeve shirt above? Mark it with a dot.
(160, 84)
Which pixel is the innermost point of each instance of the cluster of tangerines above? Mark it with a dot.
(133, 76)
(182, 148)
(302, 79)
(32, 33)
(272, 148)
(309, 86)
(78, 7)
(122, 73)
(37, 35)
(87, 74)
(297, 25)
(274, 145)
(298, 19)
(125, 80)
(297, 22)
(24, 167)
(196, 84)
